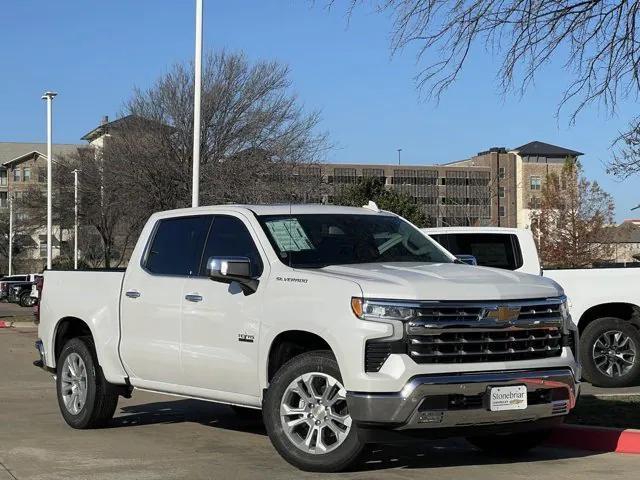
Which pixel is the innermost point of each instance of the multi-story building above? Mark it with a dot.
(24, 166)
(495, 187)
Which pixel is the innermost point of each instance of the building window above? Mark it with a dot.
(4, 200)
(501, 192)
(501, 172)
(535, 182)
(42, 175)
(501, 211)
(3, 177)
(27, 174)
(534, 203)
(16, 174)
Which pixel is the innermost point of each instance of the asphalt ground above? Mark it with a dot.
(156, 437)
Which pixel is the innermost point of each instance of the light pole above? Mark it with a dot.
(48, 96)
(75, 214)
(197, 91)
(399, 152)
(10, 232)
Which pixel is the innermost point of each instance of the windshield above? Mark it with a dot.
(315, 241)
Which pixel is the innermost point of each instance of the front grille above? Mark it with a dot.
(471, 333)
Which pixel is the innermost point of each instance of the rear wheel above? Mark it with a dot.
(610, 351)
(306, 415)
(85, 398)
(511, 444)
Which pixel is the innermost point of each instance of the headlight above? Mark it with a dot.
(384, 311)
(377, 310)
(566, 316)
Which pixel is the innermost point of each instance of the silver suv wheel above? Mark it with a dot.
(314, 413)
(614, 353)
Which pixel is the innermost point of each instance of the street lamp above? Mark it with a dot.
(75, 214)
(10, 233)
(48, 96)
(399, 152)
(195, 194)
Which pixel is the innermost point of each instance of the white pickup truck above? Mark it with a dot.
(604, 302)
(344, 325)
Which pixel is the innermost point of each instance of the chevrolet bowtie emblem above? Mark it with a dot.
(503, 313)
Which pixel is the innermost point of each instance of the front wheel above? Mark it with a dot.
(511, 444)
(26, 300)
(610, 351)
(306, 415)
(85, 398)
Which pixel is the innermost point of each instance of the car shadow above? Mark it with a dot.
(421, 454)
(177, 411)
(454, 452)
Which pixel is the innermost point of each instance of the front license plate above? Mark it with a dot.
(508, 398)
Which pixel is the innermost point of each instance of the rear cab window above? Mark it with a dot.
(490, 249)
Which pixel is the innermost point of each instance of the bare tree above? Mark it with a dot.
(255, 135)
(258, 145)
(572, 225)
(594, 39)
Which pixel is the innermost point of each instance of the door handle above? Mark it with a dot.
(132, 294)
(193, 297)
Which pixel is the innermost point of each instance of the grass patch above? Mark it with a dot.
(617, 412)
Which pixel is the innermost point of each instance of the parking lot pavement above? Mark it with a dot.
(12, 310)
(155, 436)
(588, 389)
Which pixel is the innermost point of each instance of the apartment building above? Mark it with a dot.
(498, 186)
(24, 166)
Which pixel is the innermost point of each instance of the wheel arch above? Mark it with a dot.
(289, 344)
(66, 329)
(623, 310)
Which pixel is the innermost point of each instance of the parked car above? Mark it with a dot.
(19, 289)
(346, 326)
(604, 302)
(5, 281)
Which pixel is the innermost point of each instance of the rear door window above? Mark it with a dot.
(490, 249)
(177, 245)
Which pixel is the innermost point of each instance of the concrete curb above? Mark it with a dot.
(596, 439)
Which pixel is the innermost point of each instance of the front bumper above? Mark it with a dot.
(461, 400)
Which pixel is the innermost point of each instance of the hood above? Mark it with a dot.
(443, 281)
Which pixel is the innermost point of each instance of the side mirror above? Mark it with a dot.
(232, 269)
(468, 259)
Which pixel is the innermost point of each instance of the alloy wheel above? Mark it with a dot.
(614, 353)
(74, 383)
(314, 413)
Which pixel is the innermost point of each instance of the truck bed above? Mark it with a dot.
(90, 295)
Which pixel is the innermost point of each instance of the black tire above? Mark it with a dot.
(335, 460)
(589, 337)
(511, 444)
(101, 398)
(26, 300)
